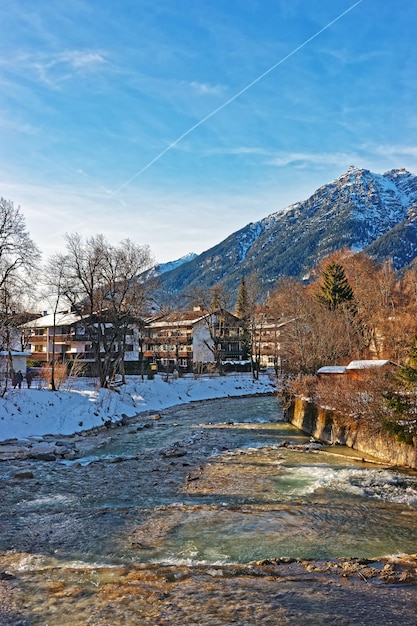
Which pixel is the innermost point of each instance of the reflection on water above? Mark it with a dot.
(244, 497)
(253, 533)
(206, 484)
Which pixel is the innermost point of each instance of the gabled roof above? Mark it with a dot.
(366, 363)
(332, 369)
(182, 318)
(47, 321)
(15, 353)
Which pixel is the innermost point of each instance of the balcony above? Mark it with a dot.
(85, 337)
(39, 356)
(37, 339)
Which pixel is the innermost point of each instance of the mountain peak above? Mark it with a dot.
(360, 210)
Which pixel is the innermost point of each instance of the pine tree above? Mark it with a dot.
(215, 303)
(243, 312)
(407, 373)
(242, 304)
(402, 401)
(335, 290)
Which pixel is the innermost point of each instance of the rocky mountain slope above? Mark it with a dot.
(360, 210)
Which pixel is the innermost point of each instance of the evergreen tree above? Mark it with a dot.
(216, 303)
(243, 304)
(402, 401)
(244, 313)
(407, 373)
(334, 290)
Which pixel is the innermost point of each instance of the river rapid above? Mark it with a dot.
(212, 513)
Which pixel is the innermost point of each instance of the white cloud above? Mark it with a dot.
(172, 223)
(85, 59)
(239, 150)
(206, 89)
(397, 150)
(283, 159)
(53, 68)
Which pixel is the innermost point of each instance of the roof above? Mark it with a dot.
(175, 318)
(332, 369)
(182, 318)
(47, 321)
(360, 365)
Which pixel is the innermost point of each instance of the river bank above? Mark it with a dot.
(365, 436)
(353, 592)
(32, 420)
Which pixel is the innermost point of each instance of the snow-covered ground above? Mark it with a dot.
(80, 405)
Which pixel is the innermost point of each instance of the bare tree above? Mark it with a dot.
(386, 306)
(19, 257)
(214, 303)
(55, 289)
(105, 287)
(252, 318)
(315, 335)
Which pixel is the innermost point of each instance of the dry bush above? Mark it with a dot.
(362, 398)
(75, 369)
(60, 374)
(302, 386)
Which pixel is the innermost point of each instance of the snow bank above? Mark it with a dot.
(37, 412)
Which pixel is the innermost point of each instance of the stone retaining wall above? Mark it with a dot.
(366, 437)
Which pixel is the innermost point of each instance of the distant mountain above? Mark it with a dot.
(161, 268)
(376, 213)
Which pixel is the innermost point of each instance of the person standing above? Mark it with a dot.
(29, 378)
(17, 380)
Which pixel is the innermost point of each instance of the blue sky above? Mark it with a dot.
(124, 118)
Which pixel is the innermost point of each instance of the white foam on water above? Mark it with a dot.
(46, 502)
(382, 484)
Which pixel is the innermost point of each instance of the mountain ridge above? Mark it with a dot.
(360, 210)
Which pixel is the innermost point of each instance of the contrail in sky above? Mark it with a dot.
(233, 98)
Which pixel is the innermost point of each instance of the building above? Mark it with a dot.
(358, 370)
(65, 337)
(355, 370)
(180, 339)
(186, 339)
(19, 361)
(268, 342)
(331, 370)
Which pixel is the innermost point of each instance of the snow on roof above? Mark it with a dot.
(360, 365)
(184, 318)
(47, 321)
(332, 369)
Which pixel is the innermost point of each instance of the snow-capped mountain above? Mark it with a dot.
(360, 210)
(161, 268)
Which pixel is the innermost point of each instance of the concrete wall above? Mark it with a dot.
(201, 337)
(363, 436)
(19, 362)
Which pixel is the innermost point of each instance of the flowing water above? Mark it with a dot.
(146, 522)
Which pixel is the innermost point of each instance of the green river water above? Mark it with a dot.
(207, 515)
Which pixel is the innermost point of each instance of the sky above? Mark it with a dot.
(176, 123)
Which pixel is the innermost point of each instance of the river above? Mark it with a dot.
(212, 513)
